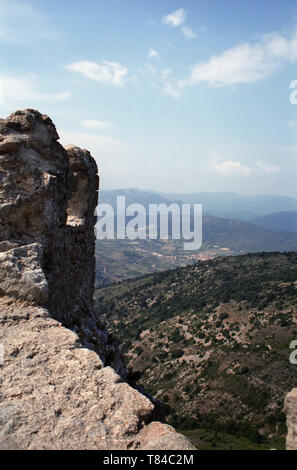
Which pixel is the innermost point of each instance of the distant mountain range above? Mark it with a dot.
(125, 259)
(237, 206)
(220, 204)
(279, 221)
(272, 231)
(135, 196)
(245, 237)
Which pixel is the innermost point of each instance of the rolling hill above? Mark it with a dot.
(211, 342)
(281, 221)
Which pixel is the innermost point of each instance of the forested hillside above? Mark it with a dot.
(211, 341)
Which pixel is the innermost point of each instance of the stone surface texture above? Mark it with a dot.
(291, 413)
(62, 377)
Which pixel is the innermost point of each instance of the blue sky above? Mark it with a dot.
(177, 96)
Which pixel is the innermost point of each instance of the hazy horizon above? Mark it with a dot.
(150, 190)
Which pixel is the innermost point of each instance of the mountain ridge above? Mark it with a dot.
(278, 221)
(224, 204)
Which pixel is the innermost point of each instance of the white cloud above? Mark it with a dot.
(188, 33)
(170, 90)
(292, 123)
(153, 54)
(248, 62)
(98, 125)
(25, 89)
(233, 167)
(177, 18)
(230, 168)
(106, 72)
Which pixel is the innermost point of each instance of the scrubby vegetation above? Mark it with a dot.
(211, 341)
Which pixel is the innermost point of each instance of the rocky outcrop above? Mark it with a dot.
(62, 375)
(48, 196)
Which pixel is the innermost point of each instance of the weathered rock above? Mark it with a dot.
(62, 375)
(48, 196)
(290, 409)
(157, 436)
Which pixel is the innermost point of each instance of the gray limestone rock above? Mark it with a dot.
(62, 377)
